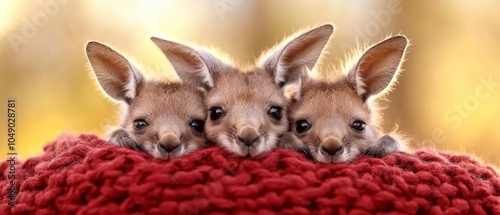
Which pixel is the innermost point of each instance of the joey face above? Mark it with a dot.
(164, 119)
(246, 112)
(167, 119)
(332, 121)
(246, 109)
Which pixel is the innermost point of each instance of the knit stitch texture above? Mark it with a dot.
(87, 175)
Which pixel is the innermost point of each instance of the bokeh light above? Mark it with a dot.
(454, 52)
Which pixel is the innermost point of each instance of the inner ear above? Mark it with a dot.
(114, 71)
(378, 66)
(288, 61)
(116, 75)
(193, 65)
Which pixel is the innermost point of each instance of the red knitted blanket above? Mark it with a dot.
(87, 175)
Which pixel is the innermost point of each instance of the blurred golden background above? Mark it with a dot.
(447, 97)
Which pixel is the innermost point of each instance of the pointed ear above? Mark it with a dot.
(293, 91)
(378, 66)
(116, 75)
(193, 66)
(287, 62)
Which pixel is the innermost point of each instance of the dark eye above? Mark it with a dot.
(275, 112)
(216, 113)
(302, 126)
(140, 124)
(197, 125)
(358, 126)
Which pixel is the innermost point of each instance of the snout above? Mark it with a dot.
(248, 136)
(332, 146)
(168, 143)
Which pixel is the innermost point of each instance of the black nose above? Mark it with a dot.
(168, 147)
(332, 145)
(332, 150)
(248, 136)
(247, 142)
(168, 143)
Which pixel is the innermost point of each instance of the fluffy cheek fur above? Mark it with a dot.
(352, 150)
(187, 146)
(148, 142)
(225, 136)
(222, 135)
(267, 143)
(354, 146)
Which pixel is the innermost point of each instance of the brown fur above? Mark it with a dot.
(331, 108)
(247, 97)
(167, 108)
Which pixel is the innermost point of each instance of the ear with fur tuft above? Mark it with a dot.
(193, 66)
(116, 75)
(378, 66)
(287, 62)
(293, 91)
